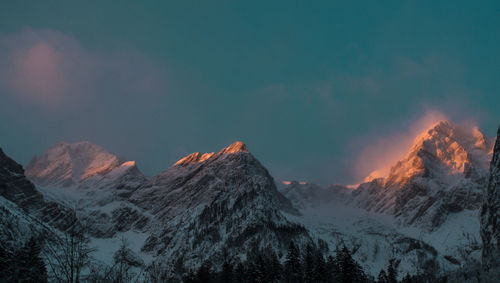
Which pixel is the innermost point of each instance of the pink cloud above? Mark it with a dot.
(49, 68)
(37, 73)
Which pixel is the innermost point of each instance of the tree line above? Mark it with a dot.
(67, 257)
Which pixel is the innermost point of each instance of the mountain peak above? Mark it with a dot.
(234, 148)
(67, 163)
(197, 157)
(442, 149)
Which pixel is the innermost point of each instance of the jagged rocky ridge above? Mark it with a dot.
(431, 196)
(14, 187)
(219, 205)
(86, 177)
(203, 207)
(443, 173)
(490, 213)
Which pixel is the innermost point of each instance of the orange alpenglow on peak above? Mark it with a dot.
(198, 157)
(234, 148)
(194, 157)
(457, 147)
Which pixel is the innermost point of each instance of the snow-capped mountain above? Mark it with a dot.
(431, 198)
(205, 206)
(87, 177)
(66, 164)
(215, 204)
(490, 213)
(84, 166)
(444, 172)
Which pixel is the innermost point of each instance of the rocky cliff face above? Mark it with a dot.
(23, 208)
(88, 177)
(432, 197)
(13, 184)
(217, 203)
(83, 166)
(443, 173)
(206, 206)
(66, 164)
(490, 212)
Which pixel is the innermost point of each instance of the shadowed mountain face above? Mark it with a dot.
(201, 207)
(13, 184)
(225, 205)
(24, 209)
(225, 202)
(490, 214)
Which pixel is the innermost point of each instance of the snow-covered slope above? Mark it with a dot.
(17, 196)
(16, 188)
(87, 177)
(83, 166)
(305, 195)
(214, 204)
(490, 213)
(211, 206)
(443, 173)
(66, 164)
(431, 198)
(203, 207)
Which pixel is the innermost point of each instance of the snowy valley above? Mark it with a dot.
(423, 216)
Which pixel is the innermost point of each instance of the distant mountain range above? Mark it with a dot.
(217, 206)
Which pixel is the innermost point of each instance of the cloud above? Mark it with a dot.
(49, 68)
(37, 72)
(385, 149)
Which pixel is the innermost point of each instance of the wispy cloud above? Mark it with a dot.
(383, 151)
(50, 69)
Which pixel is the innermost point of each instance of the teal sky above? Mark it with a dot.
(306, 85)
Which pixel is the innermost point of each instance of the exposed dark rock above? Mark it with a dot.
(490, 213)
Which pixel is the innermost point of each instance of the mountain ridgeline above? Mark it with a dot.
(205, 207)
(435, 212)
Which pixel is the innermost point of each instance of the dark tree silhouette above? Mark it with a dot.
(350, 270)
(24, 265)
(392, 275)
(382, 277)
(293, 266)
(309, 264)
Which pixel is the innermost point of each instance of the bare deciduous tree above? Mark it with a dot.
(68, 254)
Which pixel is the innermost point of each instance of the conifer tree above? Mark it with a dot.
(407, 279)
(258, 270)
(276, 269)
(204, 274)
(293, 266)
(29, 265)
(227, 272)
(350, 270)
(392, 272)
(240, 272)
(320, 270)
(309, 265)
(333, 269)
(382, 277)
(5, 265)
